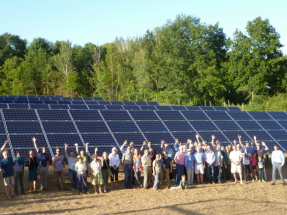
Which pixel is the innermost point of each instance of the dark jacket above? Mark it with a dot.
(30, 163)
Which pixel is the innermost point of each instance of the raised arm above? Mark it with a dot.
(255, 140)
(77, 148)
(122, 147)
(240, 142)
(176, 146)
(266, 147)
(161, 146)
(35, 145)
(189, 141)
(144, 143)
(197, 138)
(66, 146)
(4, 145)
(87, 148)
(212, 139)
(234, 142)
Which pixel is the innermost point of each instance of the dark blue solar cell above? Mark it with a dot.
(278, 115)
(39, 106)
(21, 114)
(278, 134)
(59, 127)
(115, 115)
(32, 99)
(178, 107)
(78, 107)
(141, 103)
(207, 108)
(123, 126)
(234, 108)
(239, 115)
(98, 139)
(270, 125)
(54, 115)
(6, 102)
(91, 102)
(261, 135)
(151, 126)
(131, 107)
(137, 138)
(129, 103)
(85, 115)
(24, 127)
(163, 108)
(88, 98)
(114, 107)
(283, 124)
(3, 105)
(78, 102)
(203, 125)
(233, 135)
(63, 107)
(157, 137)
(25, 140)
(46, 99)
(183, 136)
(178, 125)
(249, 125)
(19, 106)
(217, 115)
(227, 125)
(2, 129)
(153, 103)
(36, 102)
(218, 136)
(147, 107)
(64, 102)
(282, 144)
(259, 115)
(221, 108)
(98, 98)
(58, 140)
(21, 102)
(66, 98)
(77, 98)
(144, 115)
(170, 115)
(117, 103)
(194, 115)
(192, 108)
(104, 102)
(55, 99)
(50, 102)
(97, 107)
(92, 127)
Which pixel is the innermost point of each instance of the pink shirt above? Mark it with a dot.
(180, 158)
(253, 161)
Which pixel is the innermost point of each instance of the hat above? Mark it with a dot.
(114, 149)
(78, 157)
(189, 150)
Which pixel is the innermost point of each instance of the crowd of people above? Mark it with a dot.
(209, 162)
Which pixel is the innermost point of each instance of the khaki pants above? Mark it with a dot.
(43, 171)
(190, 176)
(166, 174)
(147, 175)
(59, 175)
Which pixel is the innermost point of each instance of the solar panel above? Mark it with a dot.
(117, 103)
(50, 102)
(206, 108)
(178, 107)
(64, 102)
(114, 107)
(194, 115)
(115, 115)
(278, 115)
(153, 103)
(39, 106)
(88, 98)
(170, 115)
(97, 107)
(163, 108)
(78, 107)
(63, 107)
(3, 105)
(157, 137)
(141, 103)
(129, 103)
(6, 101)
(99, 139)
(85, 115)
(183, 136)
(269, 125)
(234, 108)
(22, 102)
(21, 114)
(35, 102)
(98, 98)
(77, 98)
(58, 140)
(19, 106)
(178, 126)
(131, 107)
(59, 127)
(54, 115)
(221, 108)
(122, 126)
(147, 107)
(278, 134)
(261, 135)
(104, 102)
(233, 135)
(192, 108)
(217, 115)
(259, 115)
(203, 126)
(227, 125)
(283, 145)
(2, 129)
(249, 125)
(23, 127)
(25, 140)
(55, 98)
(237, 115)
(136, 137)
(66, 98)
(78, 102)
(151, 126)
(283, 123)
(218, 136)
(46, 99)
(144, 115)
(91, 102)
(87, 126)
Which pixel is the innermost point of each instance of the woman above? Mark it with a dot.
(146, 162)
(137, 166)
(81, 169)
(33, 171)
(180, 161)
(105, 170)
(152, 157)
(114, 166)
(227, 163)
(97, 177)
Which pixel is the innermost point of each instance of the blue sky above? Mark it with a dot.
(101, 22)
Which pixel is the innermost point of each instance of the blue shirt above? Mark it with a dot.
(43, 158)
(170, 152)
(189, 161)
(250, 149)
(176, 147)
(7, 166)
(198, 156)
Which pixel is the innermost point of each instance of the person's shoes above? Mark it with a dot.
(87, 192)
(213, 182)
(263, 180)
(259, 180)
(105, 191)
(283, 184)
(41, 188)
(80, 193)
(23, 192)
(252, 179)
(235, 181)
(241, 182)
(272, 183)
(73, 189)
(172, 179)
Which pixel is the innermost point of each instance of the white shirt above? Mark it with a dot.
(209, 157)
(235, 156)
(278, 157)
(79, 167)
(114, 160)
(246, 159)
(96, 167)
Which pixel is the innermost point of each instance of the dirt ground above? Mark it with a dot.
(225, 198)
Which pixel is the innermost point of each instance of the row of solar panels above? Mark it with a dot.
(48, 98)
(114, 107)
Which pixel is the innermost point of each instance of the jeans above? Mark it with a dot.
(43, 171)
(276, 166)
(82, 179)
(128, 175)
(210, 172)
(115, 172)
(20, 177)
(179, 172)
(73, 178)
(217, 173)
(261, 174)
(138, 176)
(247, 172)
(228, 172)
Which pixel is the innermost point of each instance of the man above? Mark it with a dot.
(178, 145)
(167, 170)
(43, 164)
(236, 158)
(278, 161)
(199, 164)
(217, 163)
(189, 164)
(209, 159)
(127, 161)
(260, 151)
(247, 145)
(8, 173)
(148, 146)
(146, 163)
(59, 165)
(131, 146)
(71, 163)
(166, 148)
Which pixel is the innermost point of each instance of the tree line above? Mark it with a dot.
(184, 60)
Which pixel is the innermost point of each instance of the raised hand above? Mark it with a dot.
(176, 140)
(189, 141)
(234, 141)
(76, 144)
(162, 142)
(254, 137)
(125, 142)
(96, 149)
(144, 143)
(33, 139)
(263, 144)
(197, 136)
(213, 137)
(87, 143)
(239, 136)
(66, 145)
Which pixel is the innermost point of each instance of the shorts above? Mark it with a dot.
(236, 169)
(9, 181)
(252, 167)
(199, 169)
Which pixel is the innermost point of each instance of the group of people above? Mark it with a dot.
(211, 162)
